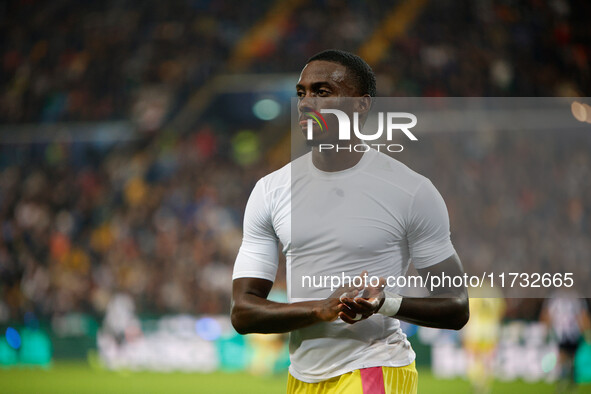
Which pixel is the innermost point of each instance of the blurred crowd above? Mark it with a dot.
(78, 61)
(454, 48)
(494, 48)
(160, 217)
(86, 61)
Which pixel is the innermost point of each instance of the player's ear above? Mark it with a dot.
(363, 104)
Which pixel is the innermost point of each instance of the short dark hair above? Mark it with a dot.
(360, 70)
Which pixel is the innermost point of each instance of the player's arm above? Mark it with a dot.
(252, 312)
(445, 307)
(254, 271)
(432, 254)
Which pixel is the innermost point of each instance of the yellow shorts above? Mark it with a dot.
(376, 380)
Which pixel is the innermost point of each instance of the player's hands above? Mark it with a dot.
(362, 306)
(331, 307)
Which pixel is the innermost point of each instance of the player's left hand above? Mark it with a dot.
(363, 305)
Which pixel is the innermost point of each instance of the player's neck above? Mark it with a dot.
(332, 161)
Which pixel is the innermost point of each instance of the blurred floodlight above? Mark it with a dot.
(266, 109)
(581, 112)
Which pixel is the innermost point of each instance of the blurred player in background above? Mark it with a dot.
(347, 342)
(567, 317)
(481, 336)
(120, 326)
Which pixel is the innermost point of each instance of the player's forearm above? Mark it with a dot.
(451, 313)
(446, 307)
(254, 314)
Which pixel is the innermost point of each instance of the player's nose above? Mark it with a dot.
(306, 104)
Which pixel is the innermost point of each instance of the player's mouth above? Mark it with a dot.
(304, 121)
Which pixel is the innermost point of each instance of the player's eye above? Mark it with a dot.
(323, 92)
(300, 94)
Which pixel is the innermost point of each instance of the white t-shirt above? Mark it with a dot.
(378, 216)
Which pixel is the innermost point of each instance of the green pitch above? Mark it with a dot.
(79, 378)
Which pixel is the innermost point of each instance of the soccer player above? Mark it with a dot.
(482, 334)
(349, 341)
(568, 318)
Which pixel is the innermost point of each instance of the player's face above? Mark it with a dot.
(323, 84)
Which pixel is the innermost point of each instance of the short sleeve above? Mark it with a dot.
(257, 257)
(428, 233)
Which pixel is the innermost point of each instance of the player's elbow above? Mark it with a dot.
(240, 328)
(462, 314)
(239, 322)
(239, 325)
